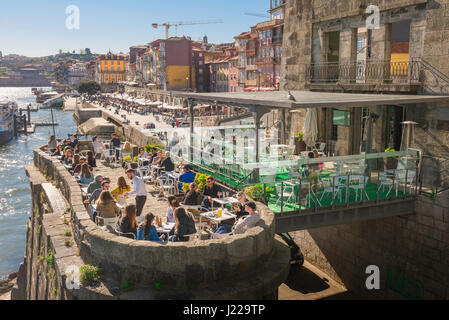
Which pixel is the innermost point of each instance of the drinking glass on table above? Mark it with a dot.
(220, 195)
(219, 213)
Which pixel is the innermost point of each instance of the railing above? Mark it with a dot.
(366, 72)
(277, 39)
(252, 67)
(251, 52)
(267, 60)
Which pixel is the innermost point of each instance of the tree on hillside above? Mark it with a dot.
(90, 87)
(88, 52)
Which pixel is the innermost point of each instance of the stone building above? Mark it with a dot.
(338, 46)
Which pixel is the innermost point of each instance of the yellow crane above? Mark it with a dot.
(168, 25)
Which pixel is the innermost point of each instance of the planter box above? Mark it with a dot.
(300, 146)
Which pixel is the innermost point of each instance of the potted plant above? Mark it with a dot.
(299, 143)
(391, 162)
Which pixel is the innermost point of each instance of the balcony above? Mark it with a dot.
(251, 83)
(267, 60)
(252, 67)
(277, 39)
(251, 52)
(381, 75)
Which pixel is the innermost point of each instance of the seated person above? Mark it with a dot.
(106, 206)
(167, 164)
(172, 206)
(128, 223)
(244, 223)
(152, 155)
(78, 167)
(187, 177)
(143, 154)
(75, 162)
(147, 231)
(95, 185)
(68, 157)
(96, 194)
(239, 208)
(122, 188)
(59, 151)
(184, 226)
(211, 191)
(86, 175)
(91, 160)
(193, 197)
(157, 161)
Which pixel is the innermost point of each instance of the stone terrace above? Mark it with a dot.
(154, 205)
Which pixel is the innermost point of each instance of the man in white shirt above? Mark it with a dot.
(139, 189)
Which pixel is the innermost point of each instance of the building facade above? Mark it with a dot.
(330, 47)
(111, 69)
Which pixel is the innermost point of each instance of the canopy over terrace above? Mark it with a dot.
(260, 103)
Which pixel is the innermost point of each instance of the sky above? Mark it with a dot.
(38, 28)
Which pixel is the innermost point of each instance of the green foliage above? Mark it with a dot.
(185, 187)
(89, 274)
(90, 87)
(200, 180)
(390, 150)
(256, 192)
(68, 233)
(68, 243)
(157, 146)
(300, 136)
(50, 259)
(128, 286)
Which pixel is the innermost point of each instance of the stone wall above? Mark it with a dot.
(248, 266)
(416, 245)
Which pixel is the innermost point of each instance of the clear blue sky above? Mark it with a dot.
(37, 27)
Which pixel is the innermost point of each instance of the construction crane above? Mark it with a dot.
(168, 25)
(257, 15)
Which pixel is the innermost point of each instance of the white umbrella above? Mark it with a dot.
(311, 128)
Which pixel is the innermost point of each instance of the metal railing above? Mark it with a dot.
(434, 175)
(366, 72)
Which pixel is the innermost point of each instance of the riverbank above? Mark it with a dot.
(7, 285)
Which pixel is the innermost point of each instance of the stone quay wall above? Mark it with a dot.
(248, 266)
(412, 252)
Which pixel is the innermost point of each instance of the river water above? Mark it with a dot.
(15, 198)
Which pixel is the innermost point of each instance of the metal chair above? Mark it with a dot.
(287, 193)
(126, 235)
(107, 221)
(384, 182)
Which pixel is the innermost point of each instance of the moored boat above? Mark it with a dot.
(7, 112)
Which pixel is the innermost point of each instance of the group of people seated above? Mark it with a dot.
(68, 152)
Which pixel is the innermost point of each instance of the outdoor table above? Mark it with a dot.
(84, 190)
(68, 167)
(166, 228)
(225, 201)
(213, 217)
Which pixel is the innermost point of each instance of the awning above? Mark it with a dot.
(307, 99)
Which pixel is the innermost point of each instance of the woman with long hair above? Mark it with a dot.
(184, 226)
(91, 160)
(106, 206)
(68, 157)
(193, 196)
(128, 223)
(86, 176)
(76, 160)
(122, 188)
(147, 231)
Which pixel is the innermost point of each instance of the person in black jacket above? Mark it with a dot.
(167, 164)
(184, 226)
(128, 223)
(211, 191)
(193, 196)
